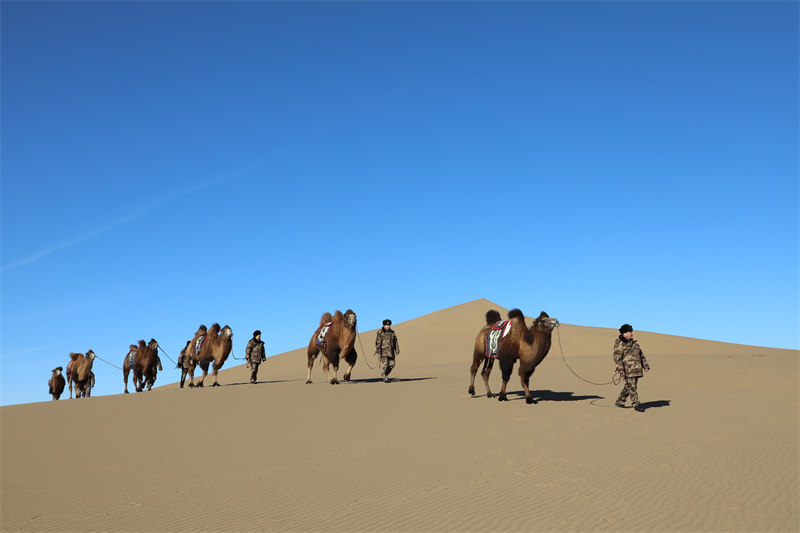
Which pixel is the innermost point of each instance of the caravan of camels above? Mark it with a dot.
(334, 340)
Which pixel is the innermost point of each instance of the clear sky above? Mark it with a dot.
(166, 164)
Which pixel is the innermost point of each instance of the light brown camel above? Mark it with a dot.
(339, 341)
(530, 346)
(79, 374)
(145, 364)
(56, 383)
(216, 347)
(127, 364)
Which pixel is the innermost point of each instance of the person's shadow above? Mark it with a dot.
(391, 380)
(644, 406)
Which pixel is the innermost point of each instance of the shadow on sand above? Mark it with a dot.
(652, 405)
(260, 382)
(548, 396)
(391, 380)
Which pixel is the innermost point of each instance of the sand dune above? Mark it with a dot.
(716, 449)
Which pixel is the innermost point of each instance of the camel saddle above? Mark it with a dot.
(323, 332)
(131, 357)
(495, 336)
(198, 345)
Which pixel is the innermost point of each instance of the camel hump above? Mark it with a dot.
(74, 356)
(142, 344)
(516, 313)
(338, 315)
(214, 329)
(492, 317)
(326, 317)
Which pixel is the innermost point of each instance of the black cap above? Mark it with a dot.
(625, 328)
(387, 322)
(256, 333)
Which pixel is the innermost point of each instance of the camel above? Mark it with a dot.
(127, 364)
(339, 339)
(56, 383)
(145, 364)
(80, 375)
(215, 347)
(530, 346)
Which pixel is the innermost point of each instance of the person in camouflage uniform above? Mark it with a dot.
(631, 364)
(254, 353)
(387, 347)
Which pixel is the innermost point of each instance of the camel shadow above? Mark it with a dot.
(260, 382)
(552, 396)
(391, 380)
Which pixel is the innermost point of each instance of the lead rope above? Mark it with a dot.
(358, 334)
(168, 357)
(615, 380)
(106, 362)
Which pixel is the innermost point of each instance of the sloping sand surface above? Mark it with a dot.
(715, 450)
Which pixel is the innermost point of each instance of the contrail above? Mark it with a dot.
(129, 217)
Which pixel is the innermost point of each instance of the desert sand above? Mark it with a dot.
(716, 448)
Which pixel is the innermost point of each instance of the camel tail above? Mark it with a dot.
(326, 317)
(492, 317)
(516, 313)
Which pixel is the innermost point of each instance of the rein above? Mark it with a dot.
(106, 362)
(615, 380)
(168, 357)
(362, 351)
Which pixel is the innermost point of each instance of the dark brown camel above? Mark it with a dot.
(215, 348)
(530, 346)
(338, 342)
(56, 383)
(145, 364)
(79, 374)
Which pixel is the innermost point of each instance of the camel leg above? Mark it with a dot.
(485, 373)
(192, 366)
(184, 371)
(351, 359)
(525, 378)
(311, 359)
(125, 374)
(215, 369)
(326, 366)
(204, 368)
(505, 368)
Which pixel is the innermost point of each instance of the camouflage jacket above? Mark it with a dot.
(386, 344)
(628, 356)
(255, 351)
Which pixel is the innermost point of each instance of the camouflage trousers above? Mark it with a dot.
(387, 364)
(253, 371)
(629, 389)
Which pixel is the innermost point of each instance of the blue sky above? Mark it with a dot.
(166, 164)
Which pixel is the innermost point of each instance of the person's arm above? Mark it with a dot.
(263, 351)
(618, 352)
(396, 346)
(248, 349)
(645, 364)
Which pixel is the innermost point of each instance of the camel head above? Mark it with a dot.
(57, 371)
(350, 319)
(90, 355)
(227, 332)
(545, 324)
(153, 345)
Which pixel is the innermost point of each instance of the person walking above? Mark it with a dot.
(631, 365)
(254, 353)
(387, 347)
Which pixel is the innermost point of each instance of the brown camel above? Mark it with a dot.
(56, 383)
(339, 340)
(530, 346)
(79, 374)
(127, 364)
(215, 347)
(145, 364)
